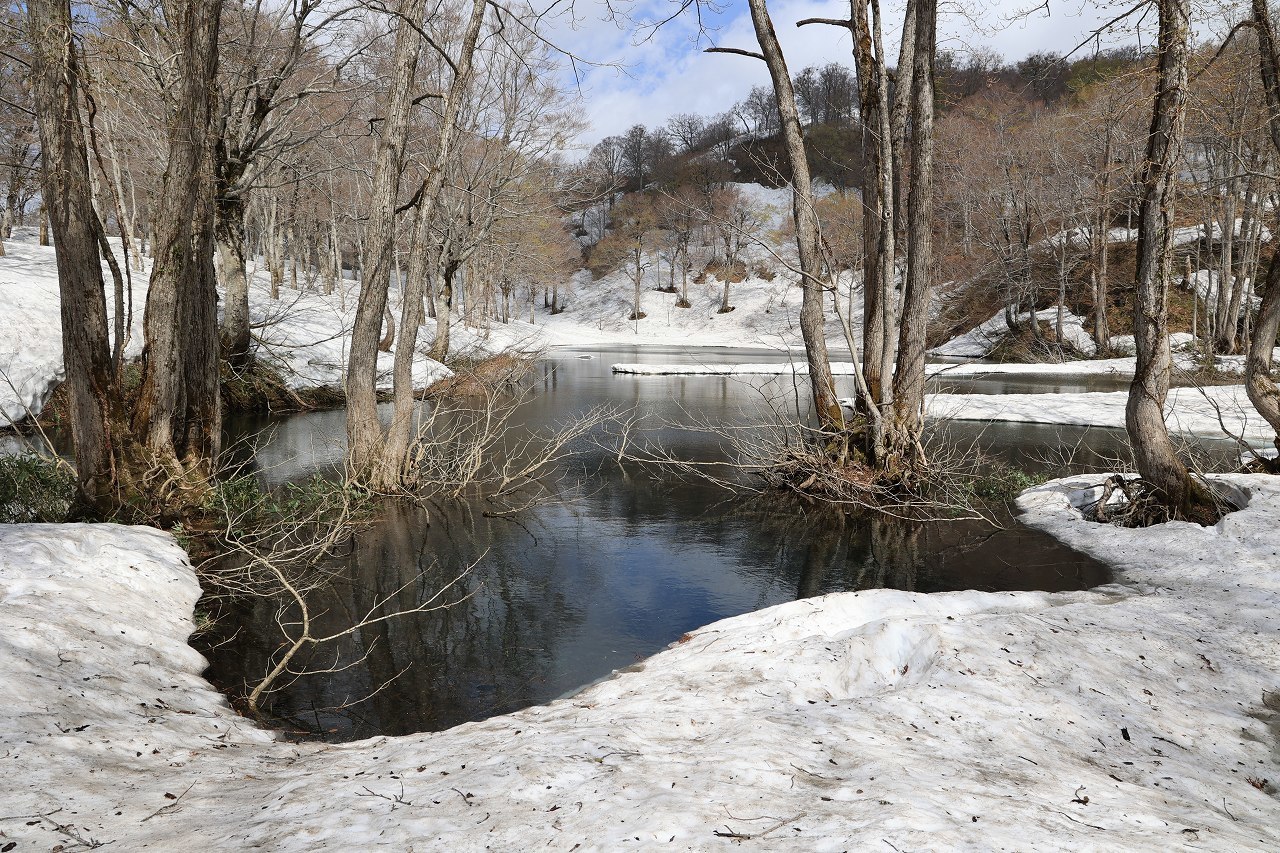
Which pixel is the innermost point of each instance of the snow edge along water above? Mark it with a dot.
(1132, 717)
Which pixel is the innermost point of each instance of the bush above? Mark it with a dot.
(35, 488)
(1000, 481)
(244, 507)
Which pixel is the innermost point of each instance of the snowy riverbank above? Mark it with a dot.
(1128, 718)
(1213, 411)
(304, 335)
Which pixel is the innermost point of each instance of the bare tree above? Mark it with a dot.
(68, 197)
(179, 411)
(1262, 390)
(1157, 461)
(629, 241)
(378, 459)
(365, 438)
(276, 69)
(687, 129)
(891, 393)
(739, 223)
(827, 408)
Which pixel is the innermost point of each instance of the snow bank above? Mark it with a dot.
(1114, 367)
(1192, 411)
(980, 341)
(1126, 344)
(838, 368)
(304, 334)
(1131, 718)
(31, 335)
(1206, 287)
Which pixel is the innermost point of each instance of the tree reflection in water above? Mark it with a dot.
(568, 590)
(615, 564)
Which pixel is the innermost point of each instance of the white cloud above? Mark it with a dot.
(648, 80)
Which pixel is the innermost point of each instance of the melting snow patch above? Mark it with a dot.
(1129, 718)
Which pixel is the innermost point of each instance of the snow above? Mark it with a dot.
(766, 313)
(304, 334)
(1118, 368)
(31, 335)
(1206, 287)
(1191, 411)
(981, 340)
(1113, 367)
(1128, 718)
(1126, 344)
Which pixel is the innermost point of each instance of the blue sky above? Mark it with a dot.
(668, 73)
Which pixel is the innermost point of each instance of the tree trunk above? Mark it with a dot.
(1262, 391)
(1153, 451)
(444, 305)
(1101, 328)
(364, 431)
(1062, 292)
(388, 339)
(901, 106)
(827, 408)
(179, 414)
(909, 377)
(1228, 289)
(66, 194)
(879, 296)
(230, 241)
(637, 279)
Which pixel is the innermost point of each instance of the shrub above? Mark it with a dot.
(35, 488)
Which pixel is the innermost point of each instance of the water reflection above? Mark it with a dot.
(609, 567)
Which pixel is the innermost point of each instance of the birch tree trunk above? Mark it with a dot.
(1153, 451)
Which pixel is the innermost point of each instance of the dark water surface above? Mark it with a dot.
(611, 564)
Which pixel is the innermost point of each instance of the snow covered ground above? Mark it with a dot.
(304, 334)
(31, 334)
(980, 341)
(766, 314)
(1141, 716)
(307, 335)
(1098, 367)
(1190, 411)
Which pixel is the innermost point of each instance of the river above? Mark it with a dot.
(612, 562)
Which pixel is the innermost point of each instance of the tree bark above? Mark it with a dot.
(67, 197)
(230, 238)
(1153, 451)
(879, 277)
(444, 306)
(909, 377)
(1101, 328)
(1262, 391)
(826, 407)
(365, 440)
(179, 413)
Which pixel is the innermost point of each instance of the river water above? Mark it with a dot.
(613, 562)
